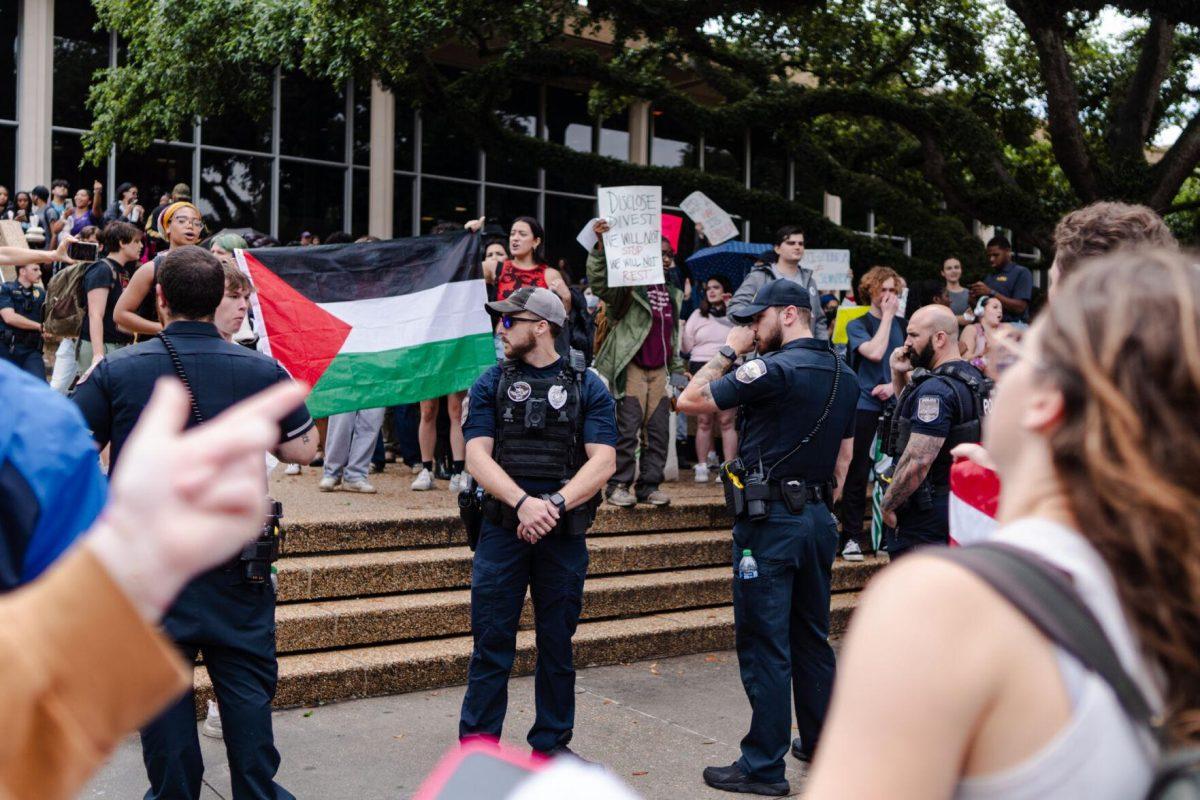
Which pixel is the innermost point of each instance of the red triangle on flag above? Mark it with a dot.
(304, 337)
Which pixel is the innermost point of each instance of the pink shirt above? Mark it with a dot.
(703, 336)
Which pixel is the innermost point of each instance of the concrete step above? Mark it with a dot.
(399, 618)
(439, 528)
(314, 678)
(390, 571)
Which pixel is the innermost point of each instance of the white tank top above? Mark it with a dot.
(1099, 753)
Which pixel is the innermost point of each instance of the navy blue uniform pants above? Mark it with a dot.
(29, 360)
(916, 527)
(233, 624)
(781, 623)
(504, 566)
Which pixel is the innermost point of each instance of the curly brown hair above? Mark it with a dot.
(875, 277)
(1128, 452)
(1102, 227)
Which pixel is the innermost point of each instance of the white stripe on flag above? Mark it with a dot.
(967, 523)
(449, 311)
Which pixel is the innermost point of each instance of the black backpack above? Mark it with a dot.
(581, 327)
(1046, 597)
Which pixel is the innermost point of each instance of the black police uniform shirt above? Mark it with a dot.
(599, 414)
(934, 407)
(221, 374)
(106, 274)
(29, 303)
(781, 395)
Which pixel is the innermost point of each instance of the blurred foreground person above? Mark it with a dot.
(81, 661)
(1094, 437)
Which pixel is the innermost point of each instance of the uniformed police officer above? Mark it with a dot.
(941, 403)
(541, 442)
(22, 309)
(228, 612)
(797, 401)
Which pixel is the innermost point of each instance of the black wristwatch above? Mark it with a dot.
(557, 501)
(728, 352)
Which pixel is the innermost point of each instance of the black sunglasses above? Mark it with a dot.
(508, 320)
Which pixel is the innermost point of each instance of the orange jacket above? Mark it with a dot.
(79, 669)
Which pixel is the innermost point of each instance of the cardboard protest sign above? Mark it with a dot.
(11, 235)
(633, 243)
(718, 226)
(671, 225)
(831, 269)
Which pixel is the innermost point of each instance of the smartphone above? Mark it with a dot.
(83, 251)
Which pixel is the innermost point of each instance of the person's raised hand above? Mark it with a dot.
(900, 361)
(741, 339)
(181, 502)
(883, 392)
(975, 454)
(60, 254)
(889, 305)
(475, 225)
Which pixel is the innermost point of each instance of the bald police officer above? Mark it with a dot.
(797, 400)
(942, 400)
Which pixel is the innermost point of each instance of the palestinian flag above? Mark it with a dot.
(374, 324)
(974, 496)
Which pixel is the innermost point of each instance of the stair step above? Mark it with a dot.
(442, 528)
(313, 678)
(390, 571)
(398, 618)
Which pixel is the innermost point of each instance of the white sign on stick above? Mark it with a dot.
(633, 244)
(718, 226)
(831, 269)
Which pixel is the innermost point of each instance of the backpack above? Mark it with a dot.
(1047, 599)
(582, 328)
(65, 305)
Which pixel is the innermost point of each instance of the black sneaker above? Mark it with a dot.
(732, 779)
(798, 751)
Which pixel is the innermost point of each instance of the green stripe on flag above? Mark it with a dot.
(355, 381)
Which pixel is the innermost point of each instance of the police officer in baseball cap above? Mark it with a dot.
(797, 400)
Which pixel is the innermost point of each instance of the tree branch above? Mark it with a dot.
(1133, 117)
(1062, 96)
(1176, 166)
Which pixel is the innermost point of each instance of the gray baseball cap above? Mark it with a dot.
(536, 300)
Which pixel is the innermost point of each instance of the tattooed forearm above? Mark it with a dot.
(716, 367)
(911, 469)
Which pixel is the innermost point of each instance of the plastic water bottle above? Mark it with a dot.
(747, 567)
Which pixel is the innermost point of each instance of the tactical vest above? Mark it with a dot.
(28, 303)
(968, 428)
(539, 422)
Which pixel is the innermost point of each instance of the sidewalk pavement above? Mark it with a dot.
(655, 724)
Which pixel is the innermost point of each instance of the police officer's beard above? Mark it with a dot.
(923, 358)
(518, 350)
(770, 341)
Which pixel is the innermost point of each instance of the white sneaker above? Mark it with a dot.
(424, 481)
(701, 473)
(292, 469)
(458, 483)
(212, 723)
(361, 486)
(712, 459)
(328, 483)
(852, 552)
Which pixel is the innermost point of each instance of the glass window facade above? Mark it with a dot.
(614, 137)
(8, 66)
(447, 201)
(312, 119)
(235, 191)
(311, 198)
(768, 163)
(8, 159)
(671, 143)
(568, 123)
(79, 51)
(725, 155)
(519, 114)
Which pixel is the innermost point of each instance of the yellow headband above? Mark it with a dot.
(164, 219)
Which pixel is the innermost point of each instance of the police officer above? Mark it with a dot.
(227, 613)
(541, 442)
(797, 401)
(942, 399)
(22, 309)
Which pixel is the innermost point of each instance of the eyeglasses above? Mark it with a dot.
(508, 321)
(188, 222)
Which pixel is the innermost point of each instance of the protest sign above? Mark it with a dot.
(587, 236)
(718, 226)
(633, 243)
(846, 315)
(830, 268)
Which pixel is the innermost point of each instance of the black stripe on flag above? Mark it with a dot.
(336, 273)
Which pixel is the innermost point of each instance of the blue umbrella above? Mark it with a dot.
(731, 259)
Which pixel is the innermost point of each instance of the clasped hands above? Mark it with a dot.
(536, 518)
